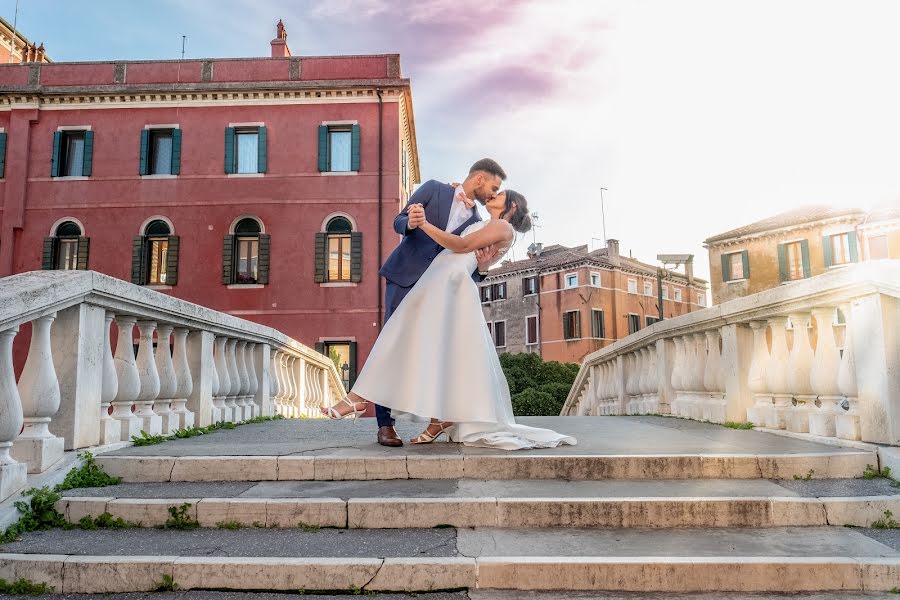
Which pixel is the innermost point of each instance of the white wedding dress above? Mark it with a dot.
(435, 358)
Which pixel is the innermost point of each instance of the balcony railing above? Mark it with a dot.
(818, 356)
(193, 367)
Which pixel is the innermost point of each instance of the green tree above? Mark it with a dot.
(537, 387)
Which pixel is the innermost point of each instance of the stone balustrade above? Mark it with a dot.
(818, 356)
(187, 365)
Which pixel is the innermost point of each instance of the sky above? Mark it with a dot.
(697, 116)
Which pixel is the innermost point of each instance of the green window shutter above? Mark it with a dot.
(323, 148)
(854, 251)
(138, 263)
(228, 260)
(827, 250)
(356, 256)
(88, 162)
(84, 250)
(262, 272)
(54, 160)
(320, 347)
(782, 263)
(2, 154)
(804, 249)
(48, 258)
(176, 152)
(321, 255)
(172, 260)
(354, 148)
(352, 363)
(745, 260)
(261, 160)
(229, 149)
(144, 165)
(726, 267)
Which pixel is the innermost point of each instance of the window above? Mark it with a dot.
(595, 279)
(878, 247)
(529, 286)
(500, 334)
(245, 255)
(338, 232)
(652, 320)
(648, 288)
(677, 294)
(73, 152)
(531, 330)
(598, 329)
(735, 266)
(67, 249)
(485, 294)
(245, 149)
(571, 325)
(154, 259)
(840, 249)
(339, 148)
(634, 323)
(498, 291)
(632, 286)
(793, 260)
(701, 298)
(665, 291)
(571, 280)
(490, 327)
(343, 355)
(160, 151)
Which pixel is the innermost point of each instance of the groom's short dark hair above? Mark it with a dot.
(489, 165)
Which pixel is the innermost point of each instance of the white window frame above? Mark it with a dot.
(665, 292)
(537, 330)
(648, 284)
(677, 295)
(599, 279)
(566, 281)
(701, 299)
(632, 285)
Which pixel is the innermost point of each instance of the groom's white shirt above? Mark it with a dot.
(459, 214)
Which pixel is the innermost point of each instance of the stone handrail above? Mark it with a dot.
(78, 391)
(772, 358)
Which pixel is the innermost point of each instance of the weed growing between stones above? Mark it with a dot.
(887, 521)
(308, 528)
(807, 477)
(180, 519)
(737, 425)
(38, 513)
(104, 521)
(873, 473)
(229, 525)
(167, 584)
(89, 474)
(24, 587)
(146, 439)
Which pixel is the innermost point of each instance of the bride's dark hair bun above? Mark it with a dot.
(520, 219)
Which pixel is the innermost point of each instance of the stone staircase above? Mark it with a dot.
(642, 504)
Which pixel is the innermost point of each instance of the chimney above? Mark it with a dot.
(612, 251)
(534, 250)
(279, 44)
(689, 270)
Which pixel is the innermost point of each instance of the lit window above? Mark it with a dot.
(157, 251)
(246, 251)
(338, 240)
(571, 280)
(632, 286)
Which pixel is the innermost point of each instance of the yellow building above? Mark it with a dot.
(798, 244)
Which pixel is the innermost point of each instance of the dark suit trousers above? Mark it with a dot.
(393, 295)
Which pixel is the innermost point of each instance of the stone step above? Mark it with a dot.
(471, 503)
(522, 465)
(668, 560)
(486, 595)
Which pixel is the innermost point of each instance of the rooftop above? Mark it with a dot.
(797, 216)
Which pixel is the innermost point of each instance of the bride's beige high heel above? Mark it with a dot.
(426, 437)
(332, 412)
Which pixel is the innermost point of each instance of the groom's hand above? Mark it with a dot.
(485, 256)
(416, 214)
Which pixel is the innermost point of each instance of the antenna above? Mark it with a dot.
(183, 40)
(603, 213)
(12, 46)
(535, 217)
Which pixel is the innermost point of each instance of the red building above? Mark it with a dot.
(261, 187)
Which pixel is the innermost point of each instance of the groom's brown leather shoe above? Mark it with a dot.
(387, 436)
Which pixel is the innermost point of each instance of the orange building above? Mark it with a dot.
(16, 48)
(564, 303)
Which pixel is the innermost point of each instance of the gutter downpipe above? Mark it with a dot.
(380, 207)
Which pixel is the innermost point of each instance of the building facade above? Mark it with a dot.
(798, 244)
(564, 303)
(265, 188)
(16, 48)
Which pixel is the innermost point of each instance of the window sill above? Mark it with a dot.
(239, 175)
(159, 287)
(159, 176)
(337, 173)
(245, 286)
(70, 178)
(338, 284)
(741, 280)
(838, 266)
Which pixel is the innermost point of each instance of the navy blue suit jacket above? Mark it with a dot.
(411, 258)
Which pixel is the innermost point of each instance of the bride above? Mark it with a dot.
(435, 357)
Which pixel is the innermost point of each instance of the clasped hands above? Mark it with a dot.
(484, 256)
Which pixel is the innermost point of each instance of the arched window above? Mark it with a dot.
(154, 258)
(338, 252)
(66, 249)
(245, 254)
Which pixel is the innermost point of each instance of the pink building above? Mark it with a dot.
(261, 187)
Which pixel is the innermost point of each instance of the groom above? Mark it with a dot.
(451, 209)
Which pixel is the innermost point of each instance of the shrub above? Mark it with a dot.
(536, 403)
(538, 388)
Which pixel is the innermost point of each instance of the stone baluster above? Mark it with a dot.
(631, 378)
(241, 400)
(327, 396)
(223, 412)
(276, 383)
(644, 381)
(714, 380)
(184, 385)
(250, 360)
(204, 378)
(302, 385)
(652, 381)
(290, 385)
(757, 380)
(13, 474)
(216, 411)
(678, 380)
(129, 380)
(312, 390)
(234, 378)
(110, 429)
(824, 375)
(698, 408)
(777, 374)
(847, 421)
(688, 395)
(38, 388)
(799, 366)
(316, 396)
(168, 382)
(149, 377)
